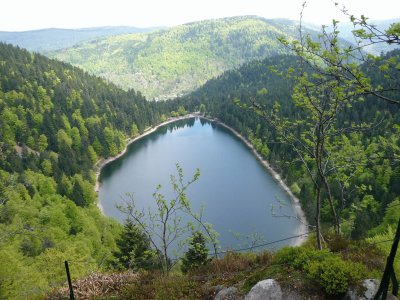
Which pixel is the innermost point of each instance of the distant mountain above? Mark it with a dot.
(346, 29)
(51, 39)
(174, 61)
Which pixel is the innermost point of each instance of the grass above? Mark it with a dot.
(156, 286)
(304, 270)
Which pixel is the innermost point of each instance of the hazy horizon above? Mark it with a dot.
(24, 15)
(161, 26)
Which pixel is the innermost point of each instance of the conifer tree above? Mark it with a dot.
(197, 253)
(134, 248)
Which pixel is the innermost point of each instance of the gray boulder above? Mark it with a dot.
(370, 286)
(230, 293)
(268, 289)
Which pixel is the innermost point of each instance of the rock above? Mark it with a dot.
(370, 286)
(218, 288)
(230, 293)
(268, 289)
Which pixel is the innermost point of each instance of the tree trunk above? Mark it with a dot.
(335, 216)
(165, 264)
(318, 218)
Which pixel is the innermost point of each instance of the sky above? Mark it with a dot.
(20, 15)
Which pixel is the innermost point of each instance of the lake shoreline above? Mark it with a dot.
(300, 215)
(101, 163)
(301, 230)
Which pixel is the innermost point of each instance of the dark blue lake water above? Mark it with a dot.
(237, 191)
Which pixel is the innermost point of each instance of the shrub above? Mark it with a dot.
(156, 286)
(295, 189)
(264, 258)
(370, 256)
(231, 262)
(335, 275)
(337, 243)
(299, 257)
(325, 268)
(287, 255)
(178, 288)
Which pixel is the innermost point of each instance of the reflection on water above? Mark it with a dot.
(236, 190)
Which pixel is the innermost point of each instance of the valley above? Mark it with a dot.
(322, 114)
(174, 61)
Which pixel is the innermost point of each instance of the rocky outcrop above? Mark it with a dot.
(230, 293)
(263, 290)
(268, 289)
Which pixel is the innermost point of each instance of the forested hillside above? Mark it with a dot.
(373, 173)
(177, 60)
(56, 122)
(44, 40)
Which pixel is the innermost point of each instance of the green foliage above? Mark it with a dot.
(328, 270)
(135, 130)
(52, 132)
(299, 257)
(134, 248)
(233, 263)
(375, 37)
(381, 240)
(45, 40)
(164, 226)
(56, 121)
(295, 188)
(171, 62)
(365, 160)
(244, 270)
(197, 253)
(82, 192)
(202, 109)
(394, 30)
(334, 275)
(153, 286)
(328, 84)
(182, 111)
(390, 219)
(178, 288)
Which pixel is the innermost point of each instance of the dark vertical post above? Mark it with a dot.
(395, 284)
(71, 290)
(387, 274)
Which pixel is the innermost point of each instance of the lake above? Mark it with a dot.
(240, 197)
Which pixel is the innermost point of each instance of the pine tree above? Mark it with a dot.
(197, 254)
(134, 248)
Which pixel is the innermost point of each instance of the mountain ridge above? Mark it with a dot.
(174, 61)
(50, 39)
(170, 62)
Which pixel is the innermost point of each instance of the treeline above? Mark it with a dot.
(374, 181)
(56, 122)
(175, 61)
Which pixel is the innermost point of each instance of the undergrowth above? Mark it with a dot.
(312, 273)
